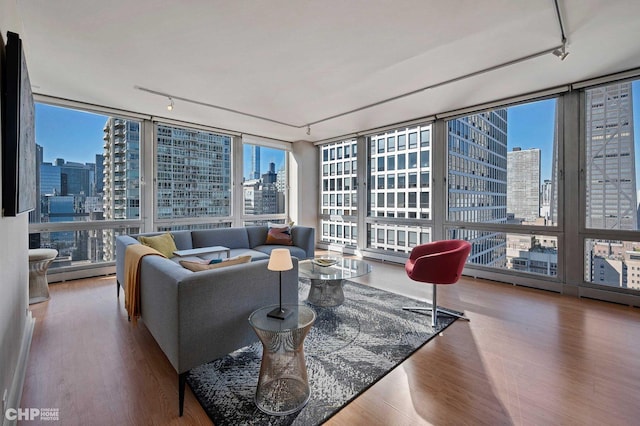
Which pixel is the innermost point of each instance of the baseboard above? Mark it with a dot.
(14, 395)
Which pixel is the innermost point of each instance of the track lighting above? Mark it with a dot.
(170, 106)
(561, 53)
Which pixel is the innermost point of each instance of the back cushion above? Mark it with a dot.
(226, 237)
(279, 234)
(257, 235)
(183, 239)
(163, 243)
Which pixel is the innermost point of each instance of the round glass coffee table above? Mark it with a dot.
(327, 275)
(283, 386)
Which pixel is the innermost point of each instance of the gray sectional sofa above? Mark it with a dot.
(196, 317)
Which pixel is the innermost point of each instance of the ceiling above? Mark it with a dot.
(297, 62)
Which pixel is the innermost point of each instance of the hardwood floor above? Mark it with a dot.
(527, 357)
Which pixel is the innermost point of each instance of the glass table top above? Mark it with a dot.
(301, 317)
(343, 268)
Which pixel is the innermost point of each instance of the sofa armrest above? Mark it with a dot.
(305, 238)
(215, 306)
(159, 307)
(122, 241)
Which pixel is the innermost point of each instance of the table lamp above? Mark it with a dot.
(280, 260)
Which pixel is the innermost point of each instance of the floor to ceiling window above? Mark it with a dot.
(94, 183)
(502, 174)
(264, 184)
(87, 183)
(399, 189)
(500, 188)
(193, 178)
(611, 150)
(338, 193)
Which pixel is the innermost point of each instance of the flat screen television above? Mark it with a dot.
(18, 132)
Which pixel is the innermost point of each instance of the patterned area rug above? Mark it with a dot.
(349, 348)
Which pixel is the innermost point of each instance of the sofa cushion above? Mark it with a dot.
(226, 237)
(164, 243)
(182, 239)
(257, 235)
(204, 265)
(279, 235)
(294, 250)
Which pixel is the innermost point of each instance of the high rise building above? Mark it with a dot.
(270, 176)
(523, 184)
(477, 180)
(399, 187)
(120, 177)
(50, 179)
(193, 173)
(610, 155)
(339, 193)
(98, 181)
(260, 198)
(255, 162)
(121, 169)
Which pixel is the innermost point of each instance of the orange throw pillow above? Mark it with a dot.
(280, 235)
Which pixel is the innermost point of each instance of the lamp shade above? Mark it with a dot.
(280, 260)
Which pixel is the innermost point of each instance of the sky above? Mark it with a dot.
(77, 136)
(531, 126)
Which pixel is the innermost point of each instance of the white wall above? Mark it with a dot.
(16, 325)
(304, 184)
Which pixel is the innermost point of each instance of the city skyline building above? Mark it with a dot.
(338, 193)
(120, 179)
(523, 184)
(121, 169)
(611, 191)
(193, 173)
(477, 180)
(255, 162)
(399, 187)
(611, 201)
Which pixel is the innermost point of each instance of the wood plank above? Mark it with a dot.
(527, 357)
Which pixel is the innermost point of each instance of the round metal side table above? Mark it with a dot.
(327, 281)
(283, 387)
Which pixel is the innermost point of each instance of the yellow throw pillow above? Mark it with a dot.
(197, 266)
(163, 243)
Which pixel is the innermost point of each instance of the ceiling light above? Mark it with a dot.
(308, 130)
(170, 106)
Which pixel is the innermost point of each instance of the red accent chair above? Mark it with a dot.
(439, 262)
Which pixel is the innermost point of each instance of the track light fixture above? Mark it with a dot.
(561, 53)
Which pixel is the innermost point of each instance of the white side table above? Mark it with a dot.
(39, 261)
(203, 250)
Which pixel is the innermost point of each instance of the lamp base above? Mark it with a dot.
(280, 313)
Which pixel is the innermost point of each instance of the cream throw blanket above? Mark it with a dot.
(132, 260)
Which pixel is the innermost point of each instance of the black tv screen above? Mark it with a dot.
(18, 132)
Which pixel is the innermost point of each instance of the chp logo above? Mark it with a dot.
(42, 414)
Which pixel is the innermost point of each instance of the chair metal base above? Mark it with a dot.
(434, 315)
(438, 310)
